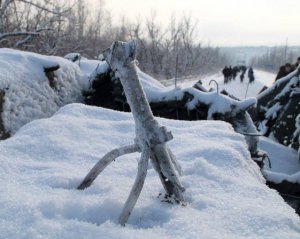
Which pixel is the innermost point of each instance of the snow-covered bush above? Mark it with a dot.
(34, 86)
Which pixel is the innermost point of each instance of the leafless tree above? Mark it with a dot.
(24, 21)
(274, 58)
(57, 27)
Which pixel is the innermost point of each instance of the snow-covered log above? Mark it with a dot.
(47, 83)
(184, 104)
(278, 107)
(296, 136)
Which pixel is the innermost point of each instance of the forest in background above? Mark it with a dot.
(55, 27)
(276, 56)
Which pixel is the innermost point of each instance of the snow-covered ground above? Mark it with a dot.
(284, 161)
(235, 87)
(42, 164)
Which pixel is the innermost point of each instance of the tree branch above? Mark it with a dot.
(13, 34)
(137, 187)
(44, 8)
(104, 162)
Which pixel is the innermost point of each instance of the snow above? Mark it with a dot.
(149, 82)
(218, 103)
(73, 56)
(284, 161)
(89, 68)
(28, 94)
(236, 88)
(42, 164)
(272, 112)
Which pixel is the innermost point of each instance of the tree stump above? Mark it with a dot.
(151, 138)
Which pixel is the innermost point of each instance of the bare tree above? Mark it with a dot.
(21, 21)
(60, 27)
(274, 58)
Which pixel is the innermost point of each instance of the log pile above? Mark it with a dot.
(187, 104)
(277, 109)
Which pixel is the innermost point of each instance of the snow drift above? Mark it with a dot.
(34, 86)
(46, 160)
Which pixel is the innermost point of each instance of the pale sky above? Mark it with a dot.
(224, 22)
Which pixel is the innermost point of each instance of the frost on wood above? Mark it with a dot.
(151, 137)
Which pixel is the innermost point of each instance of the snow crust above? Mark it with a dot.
(43, 163)
(28, 94)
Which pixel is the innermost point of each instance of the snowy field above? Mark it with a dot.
(42, 164)
(235, 87)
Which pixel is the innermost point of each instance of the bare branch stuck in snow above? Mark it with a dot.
(104, 162)
(151, 137)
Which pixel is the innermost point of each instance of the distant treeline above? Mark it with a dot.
(276, 57)
(56, 27)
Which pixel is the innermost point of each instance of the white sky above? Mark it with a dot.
(224, 22)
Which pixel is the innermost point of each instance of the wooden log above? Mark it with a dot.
(49, 72)
(3, 133)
